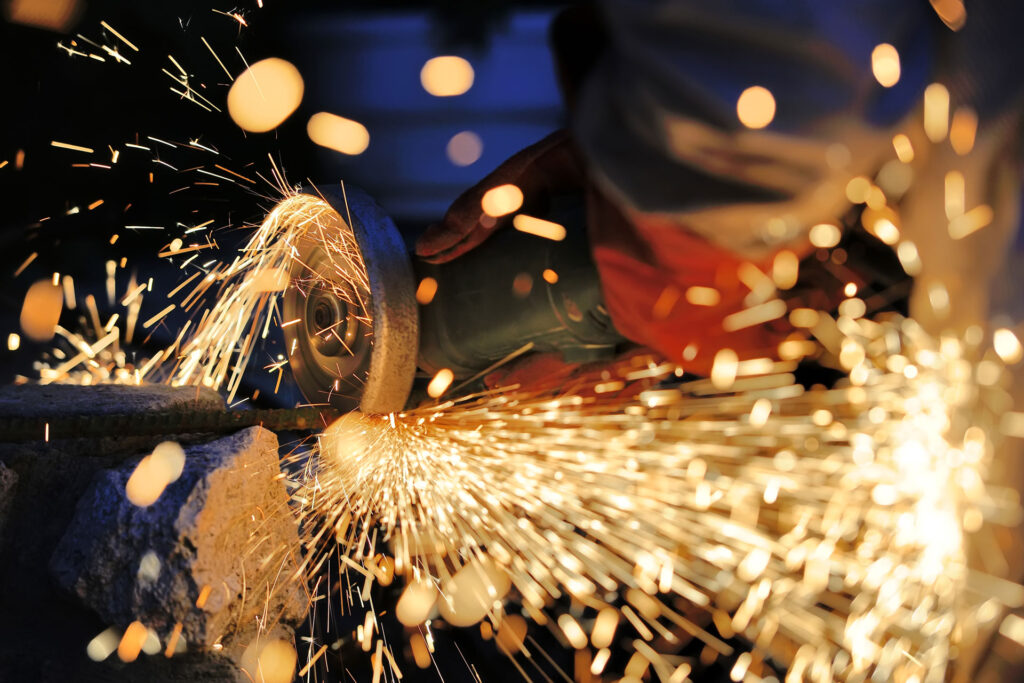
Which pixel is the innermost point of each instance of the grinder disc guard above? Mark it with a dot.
(355, 341)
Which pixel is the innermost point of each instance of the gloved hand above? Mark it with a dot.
(551, 166)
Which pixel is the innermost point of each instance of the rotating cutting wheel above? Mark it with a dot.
(356, 339)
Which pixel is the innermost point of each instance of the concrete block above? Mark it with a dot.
(221, 535)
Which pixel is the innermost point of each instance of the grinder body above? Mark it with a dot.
(482, 311)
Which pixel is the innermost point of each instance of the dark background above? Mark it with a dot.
(359, 59)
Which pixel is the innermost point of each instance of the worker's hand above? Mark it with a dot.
(551, 166)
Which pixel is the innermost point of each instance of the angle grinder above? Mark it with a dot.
(367, 349)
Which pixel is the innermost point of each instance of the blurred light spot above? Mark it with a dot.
(853, 308)
(338, 133)
(723, 368)
(270, 280)
(55, 15)
(951, 12)
(426, 291)
(502, 200)
(665, 302)
(703, 296)
(803, 317)
(103, 645)
(146, 483)
(420, 654)
(151, 645)
(440, 383)
(416, 602)
(904, 148)
(1007, 345)
(40, 312)
(972, 221)
(573, 633)
(465, 148)
(539, 227)
(522, 285)
(473, 591)
(895, 178)
(885, 64)
(955, 194)
(963, 130)
(446, 76)
(936, 112)
(550, 276)
(276, 662)
(13, 341)
(886, 231)
(600, 660)
(149, 567)
(131, 642)
(825, 235)
(170, 458)
(755, 107)
(850, 289)
(265, 95)
(785, 269)
(857, 190)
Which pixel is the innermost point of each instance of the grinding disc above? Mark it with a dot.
(356, 340)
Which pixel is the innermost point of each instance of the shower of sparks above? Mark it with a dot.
(827, 526)
(250, 287)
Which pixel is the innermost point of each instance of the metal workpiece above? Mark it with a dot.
(361, 352)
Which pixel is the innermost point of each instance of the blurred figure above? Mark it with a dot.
(709, 136)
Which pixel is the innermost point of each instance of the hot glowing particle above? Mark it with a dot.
(755, 315)
(550, 276)
(885, 64)
(703, 296)
(1007, 345)
(885, 230)
(103, 645)
(537, 226)
(338, 133)
(440, 383)
(204, 595)
(723, 368)
(75, 148)
(41, 309)
(55, 15)
(473, 591)
(970, 222)
(270, 280)
(963, 130)
(755, 107)
(173, 641)
(420, 654)
(265, 95)
(501, 200)
(906, 251)
(803, 317)
(936, 112)
(955, 194)
(446, 76)
(904, 148)
(465, 148)
(951, 12)
(573, 633)
(426, 290)
(131, 642)
(416, 603)
(276, 663)
(785, 269)
(825, 235)
(146, 483)
(13, 341)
